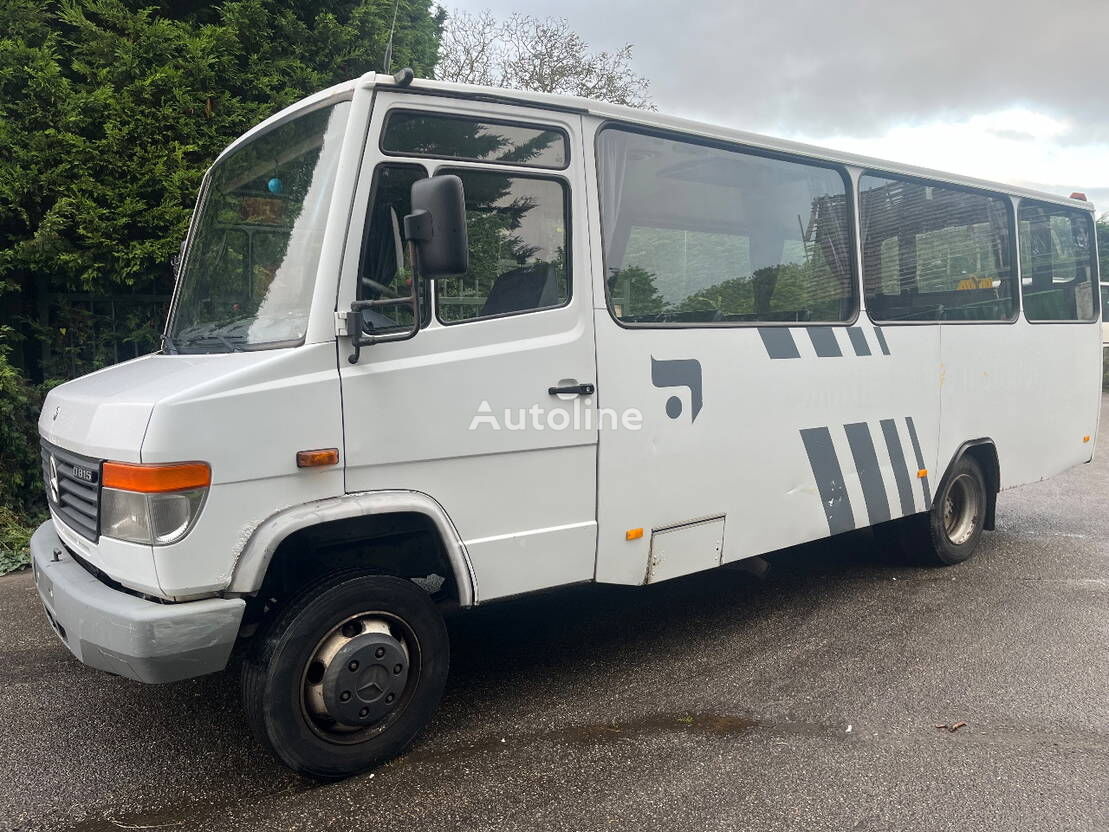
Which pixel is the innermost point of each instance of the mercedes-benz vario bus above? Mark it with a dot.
(435, 345)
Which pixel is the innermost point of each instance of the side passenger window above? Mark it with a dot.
(1057, 263)
(697, 234)
(519, 247)
(934, 253)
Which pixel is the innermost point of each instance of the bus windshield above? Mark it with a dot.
(248, 273)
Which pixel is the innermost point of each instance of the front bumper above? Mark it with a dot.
(124, 634)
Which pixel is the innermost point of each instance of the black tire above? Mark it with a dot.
(958, 514)
(275, 674)
(927, 538)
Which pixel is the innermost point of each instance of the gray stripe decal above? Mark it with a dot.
(881, 336)
(919, 461)
(779, 342)
(824, 341)
(870, 475)
(829, 479)
(900, 467)
(858, 341)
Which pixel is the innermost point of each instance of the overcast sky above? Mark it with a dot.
(1010, 90)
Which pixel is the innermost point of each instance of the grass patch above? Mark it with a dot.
(15, 537)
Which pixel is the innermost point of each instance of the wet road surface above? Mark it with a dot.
(807, 700)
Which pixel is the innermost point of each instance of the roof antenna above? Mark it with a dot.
(389, 46)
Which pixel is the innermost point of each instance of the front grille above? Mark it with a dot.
(73, 489)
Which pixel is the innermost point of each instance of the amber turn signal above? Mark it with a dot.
(633, 534)
(317, 459)
(155, 479)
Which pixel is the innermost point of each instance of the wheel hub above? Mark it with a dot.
(357, 676)
(364, 679)
(961, 510)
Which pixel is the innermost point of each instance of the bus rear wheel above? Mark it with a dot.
(958, 514)
(949, 533)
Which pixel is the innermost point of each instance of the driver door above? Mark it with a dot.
(462, 411)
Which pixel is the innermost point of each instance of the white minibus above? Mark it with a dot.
(435, 345)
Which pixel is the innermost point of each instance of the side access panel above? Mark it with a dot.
(680, 549)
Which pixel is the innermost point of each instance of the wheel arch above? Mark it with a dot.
(257, 554)
(984, 451)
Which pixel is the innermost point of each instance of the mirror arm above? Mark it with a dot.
(360, 339)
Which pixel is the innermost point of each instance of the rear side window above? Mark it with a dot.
(935, 253)
(1058, 270)
(475, 140)
(695, 234)
(519, 245)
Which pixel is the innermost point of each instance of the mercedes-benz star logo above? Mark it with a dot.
(54, 496)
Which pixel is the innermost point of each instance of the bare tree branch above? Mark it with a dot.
(541, 55)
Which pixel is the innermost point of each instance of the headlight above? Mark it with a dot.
(153, 504)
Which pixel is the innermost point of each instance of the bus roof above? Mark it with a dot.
(658, 121)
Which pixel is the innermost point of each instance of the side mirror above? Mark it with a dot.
(438, 247)
(437, 227)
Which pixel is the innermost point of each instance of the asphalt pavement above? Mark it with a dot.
(805, 700)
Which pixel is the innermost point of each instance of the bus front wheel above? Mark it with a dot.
(346, 674)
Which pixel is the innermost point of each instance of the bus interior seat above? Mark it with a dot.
(529, 287)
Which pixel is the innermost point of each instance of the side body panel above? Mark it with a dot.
(1034, 389)
(791, 433)
(787, 449)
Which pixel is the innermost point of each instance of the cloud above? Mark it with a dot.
(1020, 147)
(852, 66)
(999, 89)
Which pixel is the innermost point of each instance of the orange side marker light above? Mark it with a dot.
(318, 458)
(633, 534)
(922, 473)
(1085, 439)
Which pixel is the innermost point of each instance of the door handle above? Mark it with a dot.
(572, 390)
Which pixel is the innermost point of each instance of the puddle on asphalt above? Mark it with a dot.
(617, 730)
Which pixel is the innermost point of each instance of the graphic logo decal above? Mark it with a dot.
(679, 372)
(820, 446)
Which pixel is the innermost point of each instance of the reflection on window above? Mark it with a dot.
(458, 137)
(249, 272)
(518, 248)
(696, 234)
(932, 253)
(1057, 263)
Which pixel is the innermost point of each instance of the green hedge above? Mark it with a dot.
(22, 499)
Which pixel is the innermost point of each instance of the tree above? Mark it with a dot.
(110, 111)
(541, 55)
